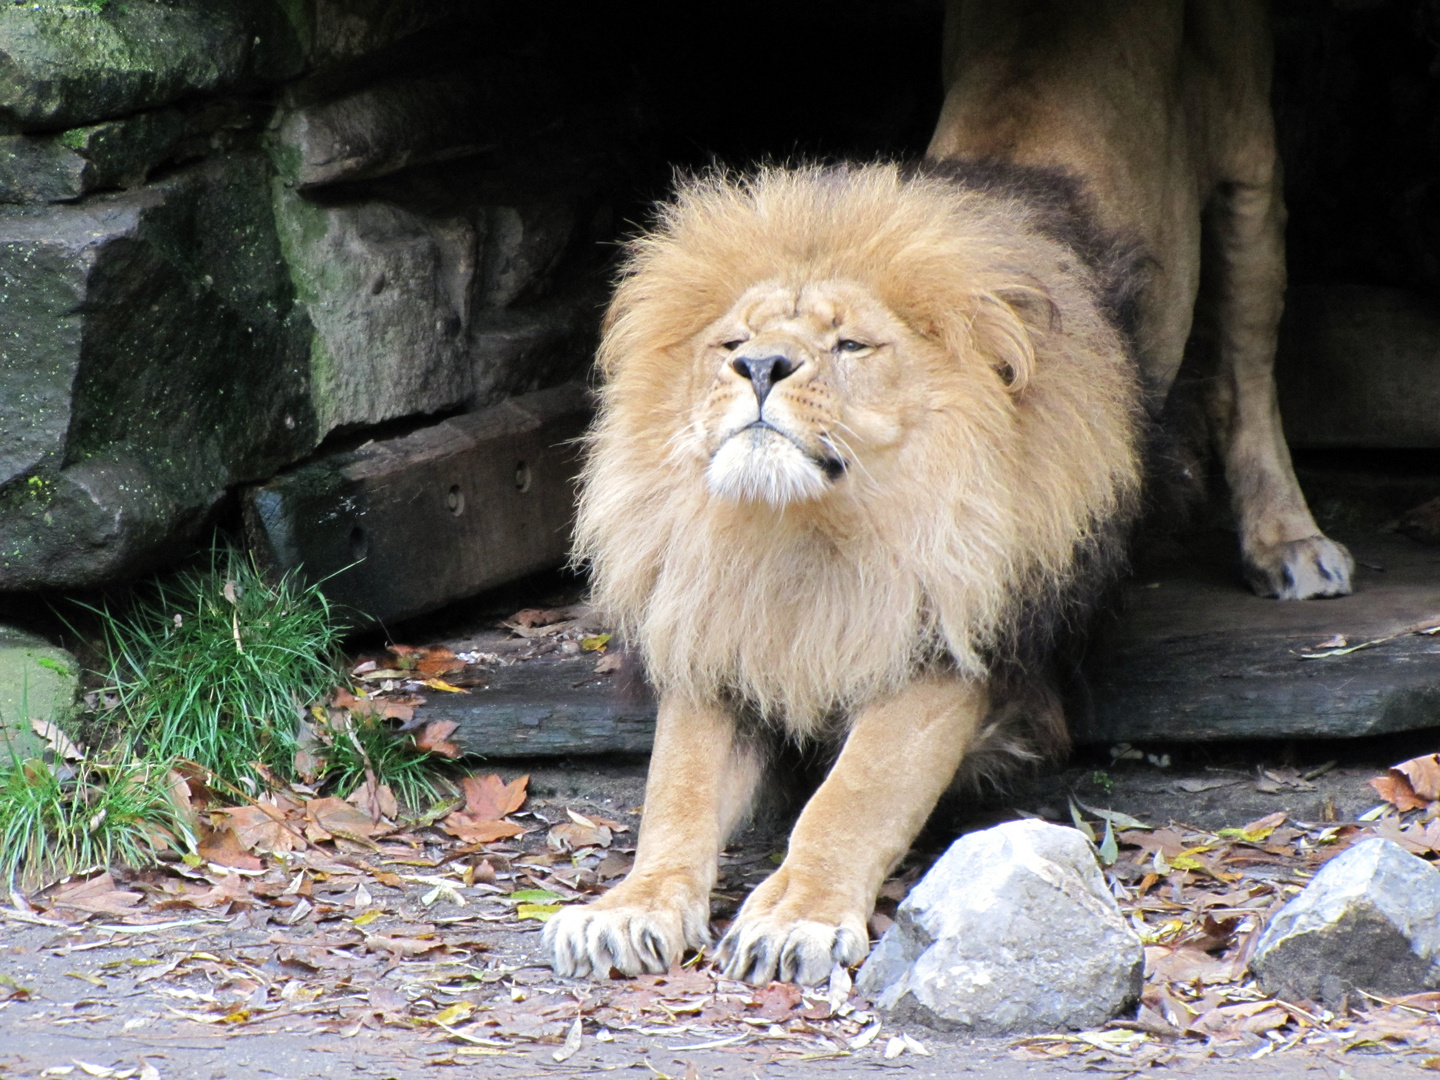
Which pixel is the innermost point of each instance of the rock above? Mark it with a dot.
(116, 153)
(37, 682)
(1370, 920)
(405, 525)
(341, 31)
(1012, 930)
(387, 290)
(65, 64)
(383, 128)
(523, 245)
(119, 429)
(1359, 366)
(514, 352)
(1422, 523)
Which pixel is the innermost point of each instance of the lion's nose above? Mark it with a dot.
(764, 371)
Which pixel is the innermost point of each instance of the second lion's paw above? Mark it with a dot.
(794, 930)
(1300, 569)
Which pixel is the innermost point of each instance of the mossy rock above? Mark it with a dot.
(63, 64)
(37, 682)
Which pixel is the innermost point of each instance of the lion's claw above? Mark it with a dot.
(1300, 569)
(805, 951)
(590, 941)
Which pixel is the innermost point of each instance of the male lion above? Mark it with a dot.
(870, 442)
(867, 441)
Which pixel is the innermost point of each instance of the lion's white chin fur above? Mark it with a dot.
(758, 464)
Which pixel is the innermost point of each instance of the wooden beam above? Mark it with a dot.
(405, 525)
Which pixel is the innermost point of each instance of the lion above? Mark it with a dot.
(871, 441)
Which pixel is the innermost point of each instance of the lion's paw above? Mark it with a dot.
(792, 933)
(1300, 569)
(804, 951)
(641, 932)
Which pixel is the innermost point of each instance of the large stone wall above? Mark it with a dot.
(230, 229)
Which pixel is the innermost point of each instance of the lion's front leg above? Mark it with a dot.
(899, 757)
(699, 786)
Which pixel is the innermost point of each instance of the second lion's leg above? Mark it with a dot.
(700, 784)
(1285, 554)
(896, 762)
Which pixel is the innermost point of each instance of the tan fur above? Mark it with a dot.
(988, 427)
(965, 493)
(1162, 109)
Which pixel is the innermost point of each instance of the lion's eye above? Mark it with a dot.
(731, 346)
(850, 345)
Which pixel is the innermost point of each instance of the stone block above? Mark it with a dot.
(1012, 930)
(65, 64)
(37, 682)
(151, 356)
(523, 245)
(341, 31)
(1370, 920)
(1359, 366)
(405, 525)
(387, 290)
(63, 167)
(383, 128)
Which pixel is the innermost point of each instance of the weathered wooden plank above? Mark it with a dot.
(545, 708)
(405, 525)
(1192, 657)
(1195, 657)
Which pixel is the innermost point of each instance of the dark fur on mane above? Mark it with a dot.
(1041, 647)
(1062, 211)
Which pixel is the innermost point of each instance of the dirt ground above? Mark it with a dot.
(174, 986)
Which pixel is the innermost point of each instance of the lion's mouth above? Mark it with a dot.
(761, 462)
(833, 466)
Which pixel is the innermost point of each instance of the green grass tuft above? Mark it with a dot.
(215, 667)
(356, 743)
(56, 821)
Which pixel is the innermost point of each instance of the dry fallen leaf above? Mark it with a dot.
(329, 817)
(98, 895)
(434, 738)
(1423, 774)
(222, 847)
(1396, 790)
(491, 797)
(369, 706)
(59, 742)
(530, 618)
(259, 828)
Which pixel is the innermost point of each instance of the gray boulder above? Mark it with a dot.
(1012, 930)
(387, 290)
(1370, 920)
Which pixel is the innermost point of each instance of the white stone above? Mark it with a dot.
(1369, 920)
(1012, 930)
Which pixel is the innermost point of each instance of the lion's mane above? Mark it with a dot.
(1014, 494)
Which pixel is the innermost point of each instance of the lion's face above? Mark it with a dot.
(805, 384)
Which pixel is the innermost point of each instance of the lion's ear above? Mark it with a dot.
(1005, 321)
